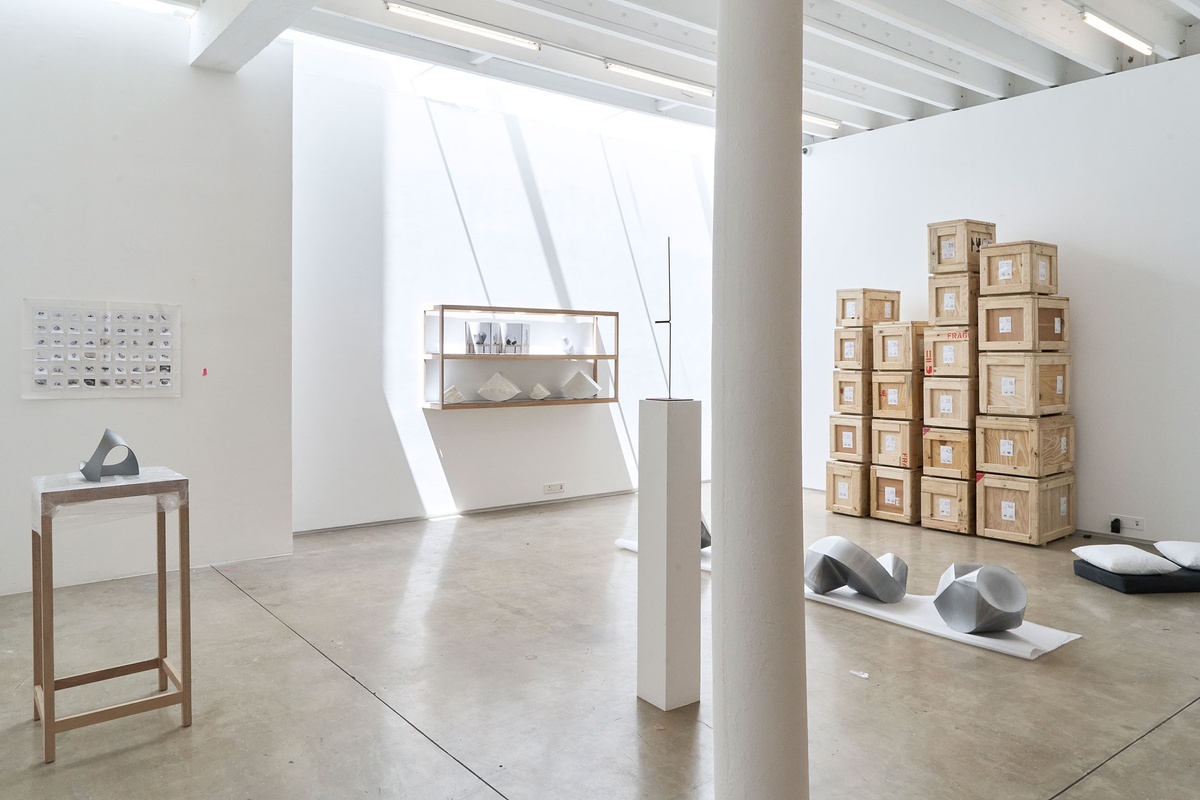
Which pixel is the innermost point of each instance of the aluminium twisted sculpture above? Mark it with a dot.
(972, 598)
(835, 561)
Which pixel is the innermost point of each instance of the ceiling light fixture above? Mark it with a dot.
(665, 80)
(1121, 35)
(462, 25)
(817, 119)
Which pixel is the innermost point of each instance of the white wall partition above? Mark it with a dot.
(419, 185)
(1106, 169)
(128, 175)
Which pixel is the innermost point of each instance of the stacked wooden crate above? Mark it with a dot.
(896, 421)
(847, 474)
(951, 384)
(1025, 437)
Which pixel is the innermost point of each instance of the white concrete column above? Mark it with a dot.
(759, 687)
(668, 633)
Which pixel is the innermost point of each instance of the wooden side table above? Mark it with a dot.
(51, 493)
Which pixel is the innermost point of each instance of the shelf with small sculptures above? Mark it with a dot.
(495, 356)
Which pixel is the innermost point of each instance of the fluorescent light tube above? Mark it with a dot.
(665, 80)
(1122, 36)
(817, 119)
(466, 27)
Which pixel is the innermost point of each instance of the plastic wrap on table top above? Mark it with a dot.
(71, 495)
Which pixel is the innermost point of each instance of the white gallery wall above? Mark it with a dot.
(1109, 170)
(418, 185)
(129, 176)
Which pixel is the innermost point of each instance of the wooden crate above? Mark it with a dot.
(850, 438)
(1024, 384)
(1024, 322)
(859, 307)
(899, 346)
(1026, 510)
(1034, 447)
(952, 298)
(1019, 268)
(851, 392)
(954, 245)
(897, 395)
(951, 352)
(948, 505)
(949, 402)
(846, 488)
(896, 443)
(895, 494)
(852, 348)
(948, 453)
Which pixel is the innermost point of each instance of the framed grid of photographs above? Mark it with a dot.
(74, 349)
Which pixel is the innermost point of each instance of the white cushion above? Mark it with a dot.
(1185, 554)
(1125, 559)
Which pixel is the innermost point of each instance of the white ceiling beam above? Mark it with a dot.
(1141, 19)
(837, 58)
(853, 117)
(701, 13)
(882, 39)
(1190, 6)
(226, 34)
(848, 90)
(967, 33)
(1054, 25)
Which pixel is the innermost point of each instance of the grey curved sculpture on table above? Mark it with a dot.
(94, 468)
(973, 598)
(835, 561)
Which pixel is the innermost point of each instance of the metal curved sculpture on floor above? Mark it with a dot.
(835, 561)
(973, 598)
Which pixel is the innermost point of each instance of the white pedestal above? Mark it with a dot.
(668, 632)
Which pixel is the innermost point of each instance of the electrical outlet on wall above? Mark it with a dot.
(552, 488)
(1135, 525)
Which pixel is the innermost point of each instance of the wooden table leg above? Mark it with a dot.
(47, 603)
(37, 619)
(185, 617)
(162, 598)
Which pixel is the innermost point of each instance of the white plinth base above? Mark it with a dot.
(668, 674)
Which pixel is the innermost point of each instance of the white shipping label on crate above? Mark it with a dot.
(1043, 271)
(1058, 324)
(847, 440)
(851, 309)
(843, 491)
(1008, 387)
(1008, 511)
(893, 348)
(949, 302)
(1004, 270)
(1006, 448)
(889, 496)
(1062, 506)
(1063, 444)
(893, 397)
(1058, 384)
(947, 354)
(848, 349)
(887, 309)
(847, 394)
(889, 443)
(1006, 324)
(947, 249)
(943, 506)
(946, 454)
(946, 404)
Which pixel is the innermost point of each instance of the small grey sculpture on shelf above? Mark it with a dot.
(94, 468)
(835, 561)
(973, 598)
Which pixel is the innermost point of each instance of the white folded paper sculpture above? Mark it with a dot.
(498, 389)
(581, 387)
(538, 392)
(453, 395)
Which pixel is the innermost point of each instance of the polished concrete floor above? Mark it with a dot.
(494, 656)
